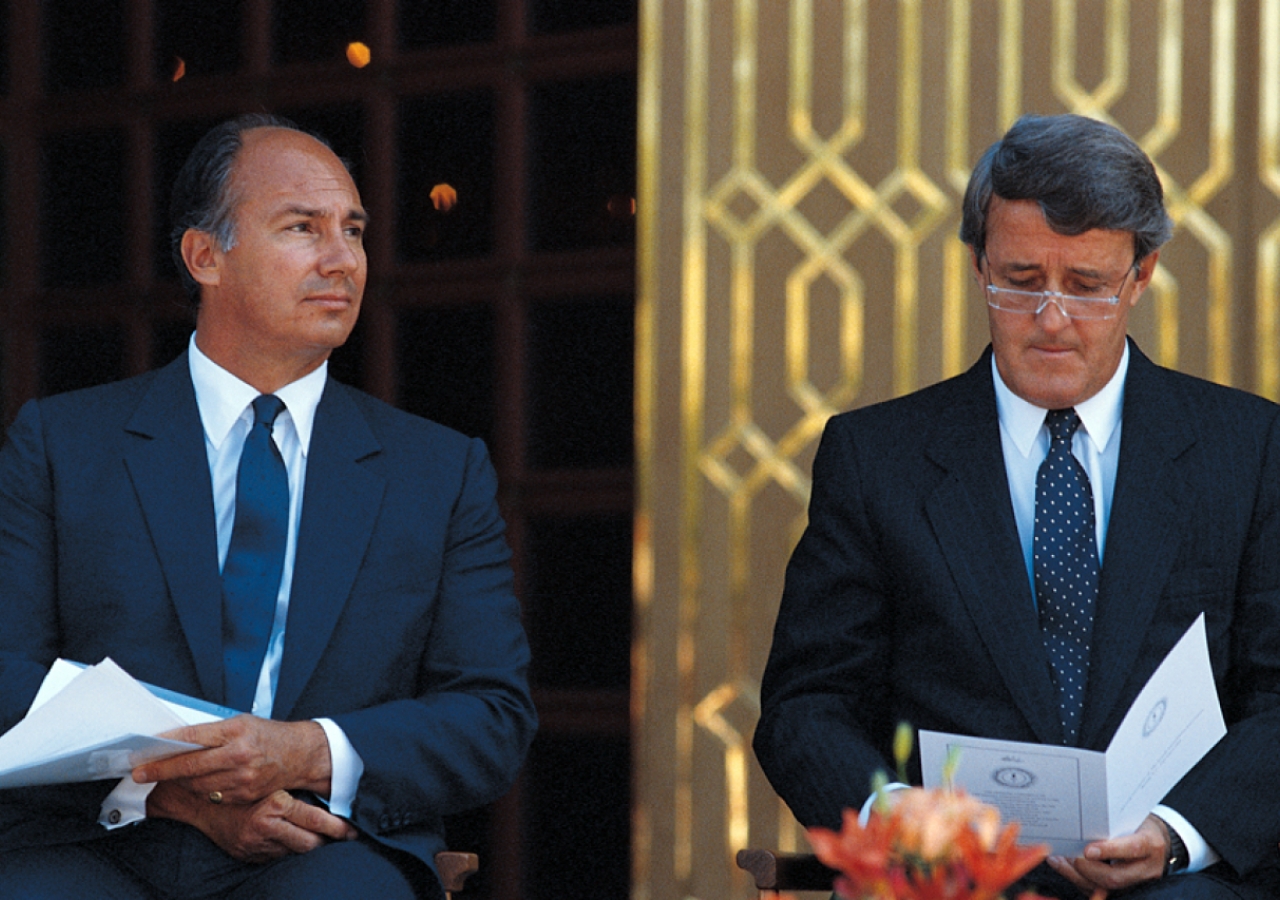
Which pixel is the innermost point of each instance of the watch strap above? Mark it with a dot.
(1177, 859)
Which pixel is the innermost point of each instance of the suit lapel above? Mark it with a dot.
(169, 468)
(340, 506)
(1140, 551)
(972, 516)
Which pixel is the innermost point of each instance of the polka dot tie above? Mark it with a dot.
(1066, 566)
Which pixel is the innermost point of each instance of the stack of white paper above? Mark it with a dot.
(94, 723)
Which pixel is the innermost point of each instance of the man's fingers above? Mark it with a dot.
(297, 840)
(1119, 851)
(1064, 867)
(212, 734)
(320, 822)
(190, 767)
(283, 824)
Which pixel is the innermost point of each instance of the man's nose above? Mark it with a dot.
(1052, 315)
(338, 254)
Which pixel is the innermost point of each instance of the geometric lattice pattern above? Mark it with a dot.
(802, 165)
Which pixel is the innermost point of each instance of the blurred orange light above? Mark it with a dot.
(358, 54)
(444, 197)
(621, 206)
(179, 68)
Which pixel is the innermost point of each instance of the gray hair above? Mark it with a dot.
(202, 199)
(1085, 174)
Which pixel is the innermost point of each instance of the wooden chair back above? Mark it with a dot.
(776, 872)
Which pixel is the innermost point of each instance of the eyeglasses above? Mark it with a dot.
(1072, 306)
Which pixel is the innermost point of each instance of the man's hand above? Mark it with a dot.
(1119, 862)
(259, 832)
(246, 759)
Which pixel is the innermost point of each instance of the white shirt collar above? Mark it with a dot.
(1099, 415)
(223, 398)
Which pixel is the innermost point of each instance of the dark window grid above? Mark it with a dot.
(82, 208)
(448, 139)
(579, 400)
(571, 16)
(574, 492)
(447, 22)
(582, 162)
(84, 43)
(312, 30)
(528, 276)
(578, 600)
(577, 855)
(206, 37)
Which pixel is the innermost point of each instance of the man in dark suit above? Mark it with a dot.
(924, 588)
(386, 672)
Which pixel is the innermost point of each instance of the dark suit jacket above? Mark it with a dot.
(403, 627)
(907, 599)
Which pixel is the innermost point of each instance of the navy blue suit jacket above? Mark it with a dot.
(907, 598)
(403, 626)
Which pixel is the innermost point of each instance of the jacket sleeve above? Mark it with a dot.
(461, 741)
(823, 726)
(28, 639)
(1230, 796)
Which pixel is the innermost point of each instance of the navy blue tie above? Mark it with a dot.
(1065, 561)
(255, 559)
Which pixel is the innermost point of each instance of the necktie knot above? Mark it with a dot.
(1062, 424)
(265, 409)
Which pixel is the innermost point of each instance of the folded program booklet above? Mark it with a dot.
(91, 723)
(1069, 797)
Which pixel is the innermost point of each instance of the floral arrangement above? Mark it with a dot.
(925, 845)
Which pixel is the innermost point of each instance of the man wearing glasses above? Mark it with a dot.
(1011, 553)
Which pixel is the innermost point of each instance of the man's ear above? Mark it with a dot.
(1145, 270)
(975, 262)
(202, 256)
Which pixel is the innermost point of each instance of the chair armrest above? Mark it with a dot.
(454, 869)
(774, 871)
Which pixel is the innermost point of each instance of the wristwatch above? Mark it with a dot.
(1177, 860)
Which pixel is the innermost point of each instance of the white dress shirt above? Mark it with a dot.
(225, 404)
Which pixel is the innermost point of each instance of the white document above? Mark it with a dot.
(95, 723)
(1068, 797)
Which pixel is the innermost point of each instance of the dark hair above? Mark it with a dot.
(1085, 174)
(201, 193)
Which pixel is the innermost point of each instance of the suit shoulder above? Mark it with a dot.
(111, 402)
(1215, 409)
(921, 407)
(1205, 391)
(397, 425)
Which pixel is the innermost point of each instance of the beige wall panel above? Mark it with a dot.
(801, 169)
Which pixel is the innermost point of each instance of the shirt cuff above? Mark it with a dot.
(865, 814)
(346, 769)
(127, 804)
(1199, 854)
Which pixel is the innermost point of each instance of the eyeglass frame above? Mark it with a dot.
(1058, 298)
